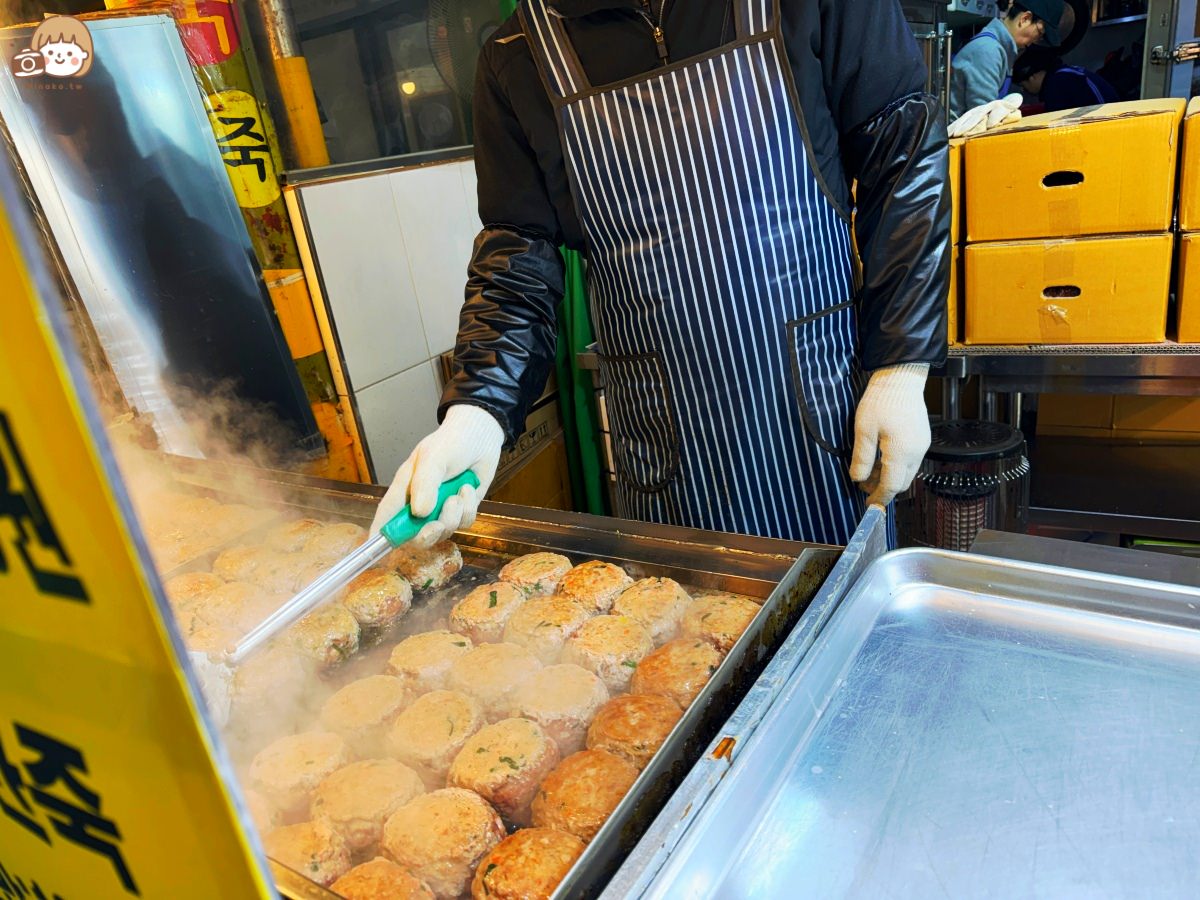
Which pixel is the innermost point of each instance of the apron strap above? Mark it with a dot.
(553, 50)
(560, 65)
(755, 17)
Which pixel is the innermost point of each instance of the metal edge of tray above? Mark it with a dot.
(643, 863)
(294, 886)
(750, 565)
(1131, 598)
(711, 708)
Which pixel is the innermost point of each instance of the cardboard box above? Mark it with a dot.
(1095, 170)
(1187, 290)
(542, 426)
(954, 301)
(956, 191)
(544, 480)
(1110, 290)
(1157, 415)
(1189, 169)
(1079, 415)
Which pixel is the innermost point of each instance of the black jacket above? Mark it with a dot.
(859, 79)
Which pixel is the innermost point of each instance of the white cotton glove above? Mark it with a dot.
(468, 438)
(986, 117)
(892, 420)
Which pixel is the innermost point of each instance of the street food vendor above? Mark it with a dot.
(701, 155)
(980, 69)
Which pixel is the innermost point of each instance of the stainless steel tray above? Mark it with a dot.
(784, 575)
(969, 727)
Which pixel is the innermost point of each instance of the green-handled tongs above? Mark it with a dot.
(400, 529)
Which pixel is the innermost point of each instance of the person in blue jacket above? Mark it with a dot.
(1040, 72)
(979, 70)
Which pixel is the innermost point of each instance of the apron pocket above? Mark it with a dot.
(827, 378)
(642, 418)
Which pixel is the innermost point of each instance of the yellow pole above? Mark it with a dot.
(300, 105)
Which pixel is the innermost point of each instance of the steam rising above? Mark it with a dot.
(277, 691)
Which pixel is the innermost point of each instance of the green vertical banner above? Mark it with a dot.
(576, 395)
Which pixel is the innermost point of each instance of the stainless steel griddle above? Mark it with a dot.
(784, 575)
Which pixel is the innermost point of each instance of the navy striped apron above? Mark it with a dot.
(721, 286)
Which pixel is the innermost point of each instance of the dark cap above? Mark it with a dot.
(1050, 12)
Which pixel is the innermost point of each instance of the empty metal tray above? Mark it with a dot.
(969, 727)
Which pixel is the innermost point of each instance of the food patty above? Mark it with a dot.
(543, 625)
(381, 879)
(678, 669)
(426, 569)
(363, 711)
(610, 646)
(658, 604)
(483, 613)
(536, 574)
(719, 619)
(491, 673)
(314, 849)
(377, 598)
(288, 770)
(431, 732)
(423, 661)
(527, 865)
(504, 763)
(562, 699)
(357, 799)
(633, 726)
(594, 585)
(440, 837)
(580, 795)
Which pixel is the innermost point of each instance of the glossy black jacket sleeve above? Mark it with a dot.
(893, 145)
(508, 327)
(902, 227)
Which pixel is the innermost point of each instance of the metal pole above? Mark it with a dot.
(953, 403)
(987, 401)
(1015, 405)
(277, 27)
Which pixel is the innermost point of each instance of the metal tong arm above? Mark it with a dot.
(398, 530)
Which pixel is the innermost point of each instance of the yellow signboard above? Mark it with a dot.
(242, 140)
(111, 782)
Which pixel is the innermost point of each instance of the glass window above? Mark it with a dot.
(395, 77)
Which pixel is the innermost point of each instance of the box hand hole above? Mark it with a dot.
(1061, 292)
(1062, 179)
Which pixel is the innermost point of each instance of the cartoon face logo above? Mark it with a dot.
(64, 59)
(61, 47)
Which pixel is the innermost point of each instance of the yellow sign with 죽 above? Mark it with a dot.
(241, 138)
(112, 784)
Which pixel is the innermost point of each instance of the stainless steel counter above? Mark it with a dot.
(1119, 561)
(967, 727)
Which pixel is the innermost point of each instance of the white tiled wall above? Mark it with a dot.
(392, 249)
(396, 413)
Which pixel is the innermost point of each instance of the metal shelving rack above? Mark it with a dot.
(1115, 486)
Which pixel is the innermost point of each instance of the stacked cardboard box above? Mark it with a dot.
(1150, 419)
(954, 302)
(1068, 226)
(1188, 287)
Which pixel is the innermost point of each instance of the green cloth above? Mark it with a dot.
(576, 396)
